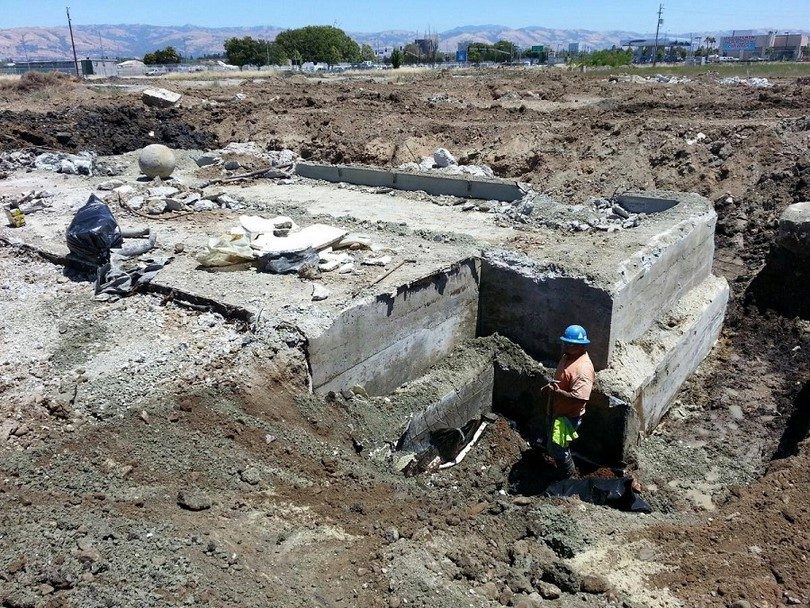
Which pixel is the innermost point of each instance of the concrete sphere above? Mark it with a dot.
(156, 160)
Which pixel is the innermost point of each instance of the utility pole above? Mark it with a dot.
(657, 29)
(72, 42)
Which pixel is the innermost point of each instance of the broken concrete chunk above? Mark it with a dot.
(227, 201)
(794, 229)
(111, 184)
(232, 165)
(354, 241)
(443, 158)
(377, 261)
(346, 268)
(250, 476)
(319, 292)
(317, 236)
(160, 98)
(154, 206)
(204, 206)
(193, 500)
(162, 191)
(208, 159)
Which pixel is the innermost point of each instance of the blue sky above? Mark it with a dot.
(374, 15)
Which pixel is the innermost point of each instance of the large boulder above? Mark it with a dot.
(160, 98)
(156, 160)
(794, 229)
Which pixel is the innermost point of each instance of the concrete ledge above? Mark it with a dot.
(648, 372)
(470, 187)
(450, 396)
(389, 340)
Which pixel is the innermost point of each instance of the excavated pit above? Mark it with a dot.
(646, 295)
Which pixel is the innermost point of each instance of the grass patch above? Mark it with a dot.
(37, 82)
(744, 70)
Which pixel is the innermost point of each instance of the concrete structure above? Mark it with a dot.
(436, 184)
(773, 46)
(160, 98)
(643, 48)
(87, 67)
(645, 293)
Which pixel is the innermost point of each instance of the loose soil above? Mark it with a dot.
(111, 411)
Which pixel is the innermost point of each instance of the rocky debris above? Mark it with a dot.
(658, 78)
(756, 83)
(443, 162)
(547, 590)
(251, 476)
(442, 158)
(539, 210)
(208, 159)
(319, 292)
(595, 584)
(83, 163)
(193, 500)
(391, 535)
(157, 197)
(160, 98)
(794, 229)
(563, 576)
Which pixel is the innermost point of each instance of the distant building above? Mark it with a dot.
(749, 45)
(427, 46)
(643, 48)
(87, 67)
(573, 47)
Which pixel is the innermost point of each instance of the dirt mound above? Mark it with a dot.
(36, 81)
(754, 549)
(105, 130)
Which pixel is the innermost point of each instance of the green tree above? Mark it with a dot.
(411, 54)
(163, 56)
(242, 51)
(270, 53)
(315, 43)
(396, 58)
(505, 51)
(367, 53)
(333, 57)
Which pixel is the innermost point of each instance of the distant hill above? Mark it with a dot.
(136, 40)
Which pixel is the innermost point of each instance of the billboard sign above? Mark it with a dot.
(461, 56)
(735, 44)
(538, 48)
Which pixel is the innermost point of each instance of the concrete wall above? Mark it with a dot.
(532, 306)
(659, 275)
(467, 400)
(395, 338)
(436, 184)
(648, 373)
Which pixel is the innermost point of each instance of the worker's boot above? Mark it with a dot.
(570, 469)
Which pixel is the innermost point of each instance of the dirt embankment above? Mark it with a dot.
(279, 480)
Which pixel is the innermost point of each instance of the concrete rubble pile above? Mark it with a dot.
(756, 83)
(83, 163)
(280, 246)
(269, 158)
(658, 78)
(537, 210)
(443, 162)
(158, 197)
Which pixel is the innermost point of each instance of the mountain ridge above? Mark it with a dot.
(134, 40)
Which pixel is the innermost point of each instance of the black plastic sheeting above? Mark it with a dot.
(93, 232)
(287, 263)
(616, 493)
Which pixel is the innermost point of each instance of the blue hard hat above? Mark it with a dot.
(575, 334)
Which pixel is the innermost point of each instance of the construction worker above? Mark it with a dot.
(570, 391)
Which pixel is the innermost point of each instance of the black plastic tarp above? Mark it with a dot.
(617, 493)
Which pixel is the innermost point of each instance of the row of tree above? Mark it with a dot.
(319, 44)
